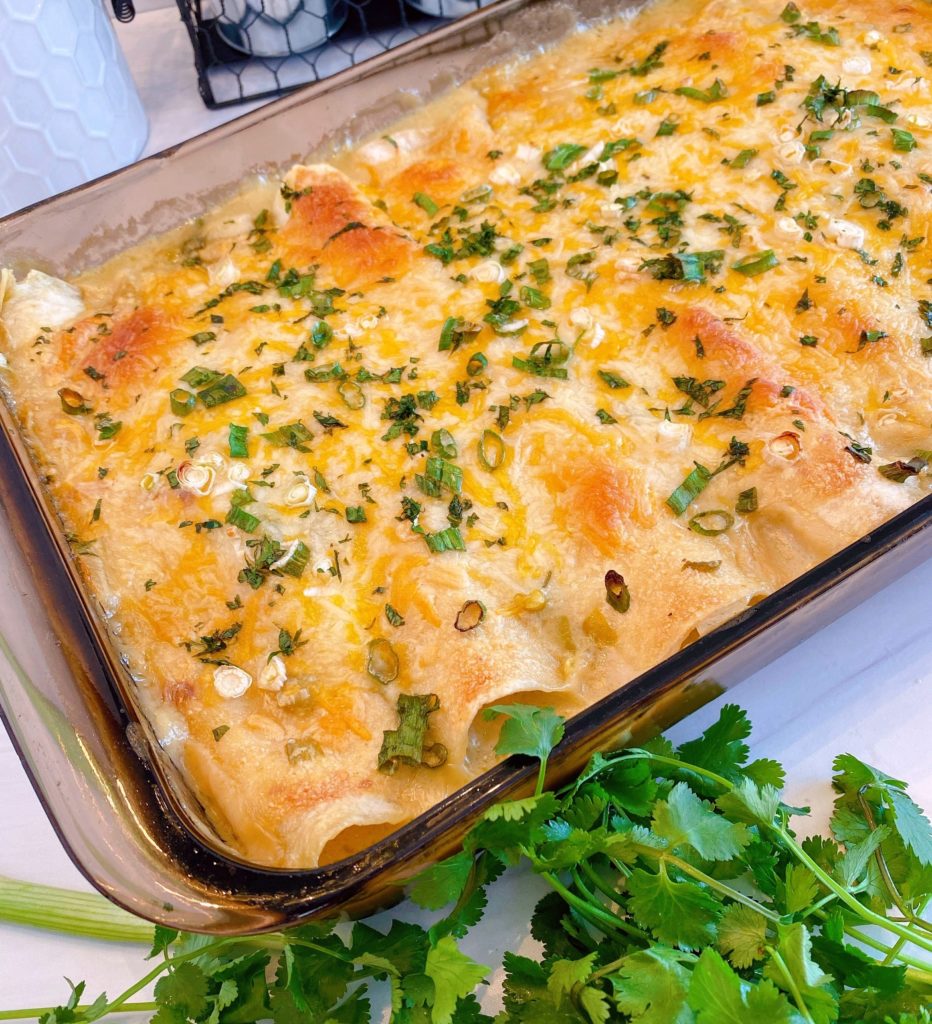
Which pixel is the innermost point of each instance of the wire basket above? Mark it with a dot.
(249, 49)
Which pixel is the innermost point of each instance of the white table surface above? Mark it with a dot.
(863, 684)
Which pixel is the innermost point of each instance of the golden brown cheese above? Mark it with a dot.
(653, 303)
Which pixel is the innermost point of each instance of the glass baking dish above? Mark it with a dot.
(120, 808)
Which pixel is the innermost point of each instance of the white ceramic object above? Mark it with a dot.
(277, 28)
(69, 110)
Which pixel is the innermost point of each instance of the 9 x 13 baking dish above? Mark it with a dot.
(120, 806)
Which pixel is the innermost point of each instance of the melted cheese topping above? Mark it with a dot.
(480, 360)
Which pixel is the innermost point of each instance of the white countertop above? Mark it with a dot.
(863, 685)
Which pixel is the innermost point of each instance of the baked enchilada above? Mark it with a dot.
(506, 404)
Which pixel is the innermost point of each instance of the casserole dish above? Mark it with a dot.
(424, 835)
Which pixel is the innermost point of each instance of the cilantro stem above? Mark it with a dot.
(641, 755)
(594, 912)
(864, 912)
(888, 882)
(40, 1011)
(591, 897)
(873, 943)
(790, 983)
(712, 883)
(541, 776)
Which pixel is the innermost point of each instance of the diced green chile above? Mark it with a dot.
(469, 616)
(491, 450)
(352, 394)
(617, 593)
(72, 402)
(382, 661)
(717, 515)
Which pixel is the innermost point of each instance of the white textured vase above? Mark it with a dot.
(69, 110)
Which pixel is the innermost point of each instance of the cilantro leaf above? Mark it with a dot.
(471, 903)
(526, 997)
(184, 989)
(904, 816)
(686, 821)
(454, 976)
(404, 945)
(798, 890)
(651, 986)
(742, 935)
(528, 730)
(677, 913)
(566, 974)
(161, 940)
(442, 883)
(750, 803)
(553, 926)
(719, 996)
(794, 947)
(720, 748)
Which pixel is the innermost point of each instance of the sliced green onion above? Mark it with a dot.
(426, 203)
(324, 373)
(355, 514)
(321, 334)
(560, 157)
(694, 484)
(533, 297)
(382, 662)
(903, 141)
(477, 194)
(290, 435)
(469, 616)
(200, 376)
(223, 390)
(407, 745)
(352, 394)
(444, 443)
(491, 450)
(477, 363)
(758, 263)
(454, 332)
(445, 474)
(716, 91)
(743, 158)
(449, 539)
(883, 113)
(613, 380)
(182, 402)
(243, 520)
(747, 501)
(297, 560)
(238, 436)
(617, 593)
(72, 402)
(726, 519)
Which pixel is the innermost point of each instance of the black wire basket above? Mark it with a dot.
(249, 49)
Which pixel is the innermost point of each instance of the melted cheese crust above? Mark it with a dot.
(562, 197)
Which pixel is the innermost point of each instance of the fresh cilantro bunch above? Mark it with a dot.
(680, 895)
